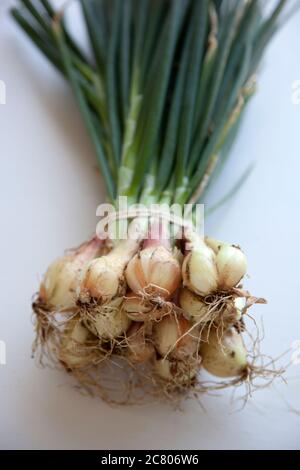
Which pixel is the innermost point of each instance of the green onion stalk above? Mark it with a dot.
(162, 94)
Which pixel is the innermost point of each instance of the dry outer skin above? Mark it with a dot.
(224, 355)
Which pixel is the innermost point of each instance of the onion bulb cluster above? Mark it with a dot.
(212, 266)
(57, 291)
(174, 309)
(162, 88)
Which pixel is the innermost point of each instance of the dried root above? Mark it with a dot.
(48, 329)
(259, 372)
(132, 348)
(151, 305)
(107, 320)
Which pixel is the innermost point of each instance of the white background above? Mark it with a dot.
(50, 188)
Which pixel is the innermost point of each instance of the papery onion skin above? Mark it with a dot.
(139, 349)
(214, 244)
(162, 367)
(171, 336)
(223, 355)
(239, 304)
(154, 269)
(231, 263)
(175, 372)
(103, 279)
(193, 306)
(72, 353)
(139, 309)
(199, 271)
(107, 322)
(201, 312)
(58, 288)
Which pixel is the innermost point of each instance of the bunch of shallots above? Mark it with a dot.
(166, 310)
(162, 87)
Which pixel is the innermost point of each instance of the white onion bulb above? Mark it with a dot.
(74, 352)
(103, 278)
(58, 289)
(194, 308)
(139, 309)
(224, 356)
(231, 263)
(107, 321)
(239, 304)
(175, 372)
(171, 336)
(162, 367)
(200, 312)
(232, 266)
(154, 268)
(139, 349)
(199, 269)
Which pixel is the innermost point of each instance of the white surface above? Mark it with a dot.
(49, 193)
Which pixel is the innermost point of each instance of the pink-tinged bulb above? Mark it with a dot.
(154, 270)
(58, 289)
(103, 278)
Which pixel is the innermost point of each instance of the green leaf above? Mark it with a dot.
(197, 27)
(85, 111)
(156, 90)
(112, 83)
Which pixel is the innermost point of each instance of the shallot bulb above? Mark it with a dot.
(231, 263)
(223, 355)
(108, 321)
(199, 311)
(58, 288)
(162, 367)
(76, 350)
(103, 278)
(193, 305)
(199, 271)
(154, 270)
(139, 309)
(172, 336)
(240, 304)
(212, 266)
(139, 349)
(176, 372)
